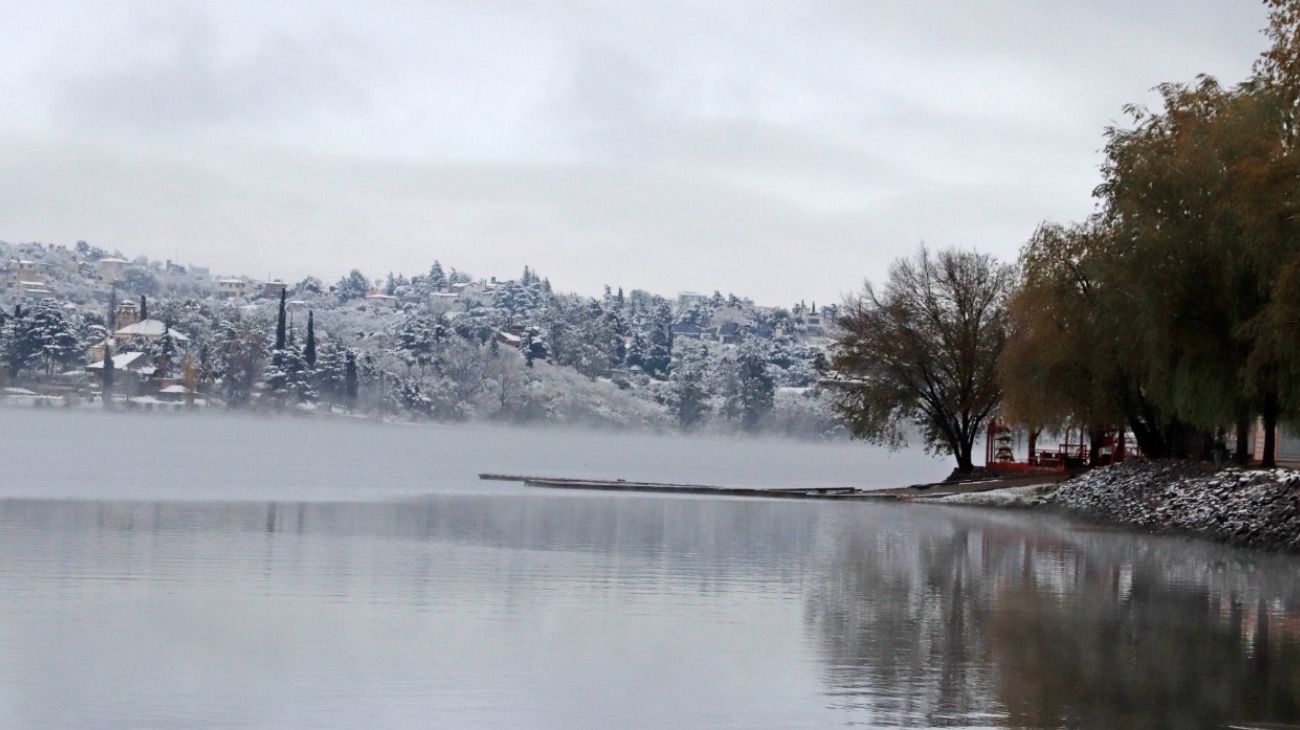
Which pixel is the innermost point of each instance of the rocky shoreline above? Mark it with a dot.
(1256, 508)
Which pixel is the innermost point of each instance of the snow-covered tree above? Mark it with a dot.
(749, 388)
(689, 380)
(437, 280)
(353, 286)
(240, 350)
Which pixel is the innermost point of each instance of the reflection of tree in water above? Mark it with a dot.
(967, 624)
(895, 620)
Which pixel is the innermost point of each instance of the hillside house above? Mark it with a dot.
(382, 300)
(110, 269)
(234, 287)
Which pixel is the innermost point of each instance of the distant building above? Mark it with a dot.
(173, 393)
(234, 287)
(129, 362)
(686, 329)
(127, 313)
(135, 333)
(688, 299)
(273, 289)
(34, 289)
(111, 269)
(383, 300)
(814, 323)
(147, 330)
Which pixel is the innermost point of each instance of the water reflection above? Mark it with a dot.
(559, 610)
(1006, 624)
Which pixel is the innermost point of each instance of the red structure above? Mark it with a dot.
(1077, 450)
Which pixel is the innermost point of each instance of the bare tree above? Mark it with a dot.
(924, 350)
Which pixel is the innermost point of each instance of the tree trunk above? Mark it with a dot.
(1242, 453)
(1268, 459)
(1150, 441)
(964, 451)
(1181, 440)
(1095, 437)
(964, 463)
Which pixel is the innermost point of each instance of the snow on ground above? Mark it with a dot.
(1026, 496)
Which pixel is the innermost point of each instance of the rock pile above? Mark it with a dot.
(1248, 507)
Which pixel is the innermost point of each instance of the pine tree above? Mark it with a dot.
(51, 336)
(309, 349)
(164, 351)
(437, 279)
(690, 394)
(353, 286)
(636, 351)
(751, 390)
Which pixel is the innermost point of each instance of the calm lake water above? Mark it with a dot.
(160, 572)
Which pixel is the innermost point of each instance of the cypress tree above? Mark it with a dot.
(144, 308)
(110, 322)
(350, 380)
(279, 325)
(106, 392)
(309, 350)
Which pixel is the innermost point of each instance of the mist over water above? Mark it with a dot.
(51, 453)
(233, 572)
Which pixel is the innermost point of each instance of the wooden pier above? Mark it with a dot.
(829, 493)
(623, 485)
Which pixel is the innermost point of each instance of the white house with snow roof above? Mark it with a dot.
(147, 330)
(129, 362)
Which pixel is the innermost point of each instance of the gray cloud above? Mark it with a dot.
(781, 150)
(186, 79)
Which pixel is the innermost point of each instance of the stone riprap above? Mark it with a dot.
(1248, 507)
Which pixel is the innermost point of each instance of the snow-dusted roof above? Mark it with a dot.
(174, 389)
(112, 260)
(124, 361)
(149, 328)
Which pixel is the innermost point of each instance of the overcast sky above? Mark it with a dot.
(779, 150)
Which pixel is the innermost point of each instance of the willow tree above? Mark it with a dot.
(923, 351)
(1062, 363)
(1203, 196)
